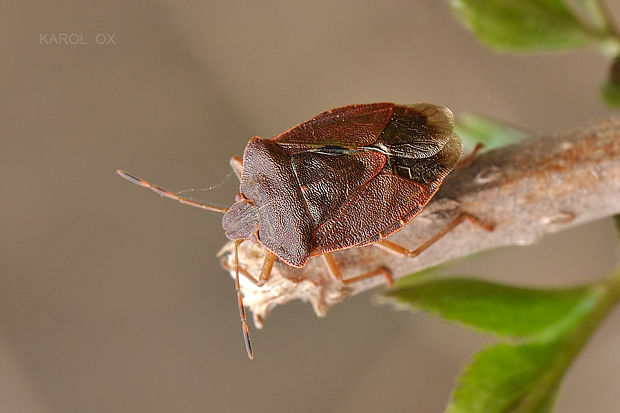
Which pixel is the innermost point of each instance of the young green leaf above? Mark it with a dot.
(524, 378)
(497, 308)
(474, 129)
(523, 25)
(595, 15)
(510, 378)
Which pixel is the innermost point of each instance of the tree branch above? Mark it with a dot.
(526, 190)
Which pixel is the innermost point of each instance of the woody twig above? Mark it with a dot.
(542, 185)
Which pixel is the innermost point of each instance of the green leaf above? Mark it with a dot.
(418, 277)
(497, 308)
(610, 93)
(524, 378)
(474, 129)
(523, 25)
(611, 89)
(510, 378)
(593, 10)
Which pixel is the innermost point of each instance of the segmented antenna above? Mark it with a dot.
(244, 324)
(168, 194)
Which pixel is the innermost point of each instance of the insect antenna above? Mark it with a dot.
(246, 333)
(168, 194)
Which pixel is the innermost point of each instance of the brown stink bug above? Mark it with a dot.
(349, 177)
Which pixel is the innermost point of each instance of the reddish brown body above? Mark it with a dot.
(348, 177)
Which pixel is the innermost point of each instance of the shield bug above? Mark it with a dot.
(349, 177)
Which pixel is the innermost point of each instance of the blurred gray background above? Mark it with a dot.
(112, 300)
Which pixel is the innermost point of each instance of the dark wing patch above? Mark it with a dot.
(326, 181)
(417, 131)
(349, 126)
(413, 136)
(431, 171)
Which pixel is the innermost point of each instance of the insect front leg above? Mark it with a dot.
(399, 249)
(335, 271)
(265, 274)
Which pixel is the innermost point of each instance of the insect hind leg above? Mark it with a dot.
(399, 249)
(335, 271)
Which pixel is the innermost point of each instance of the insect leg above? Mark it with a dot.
(393, 247)
(465, 161)
(335, 271)
(244, 323)
(270, 259)
(242, 270)
(265, 273)
(168, 194)
(237, 166)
